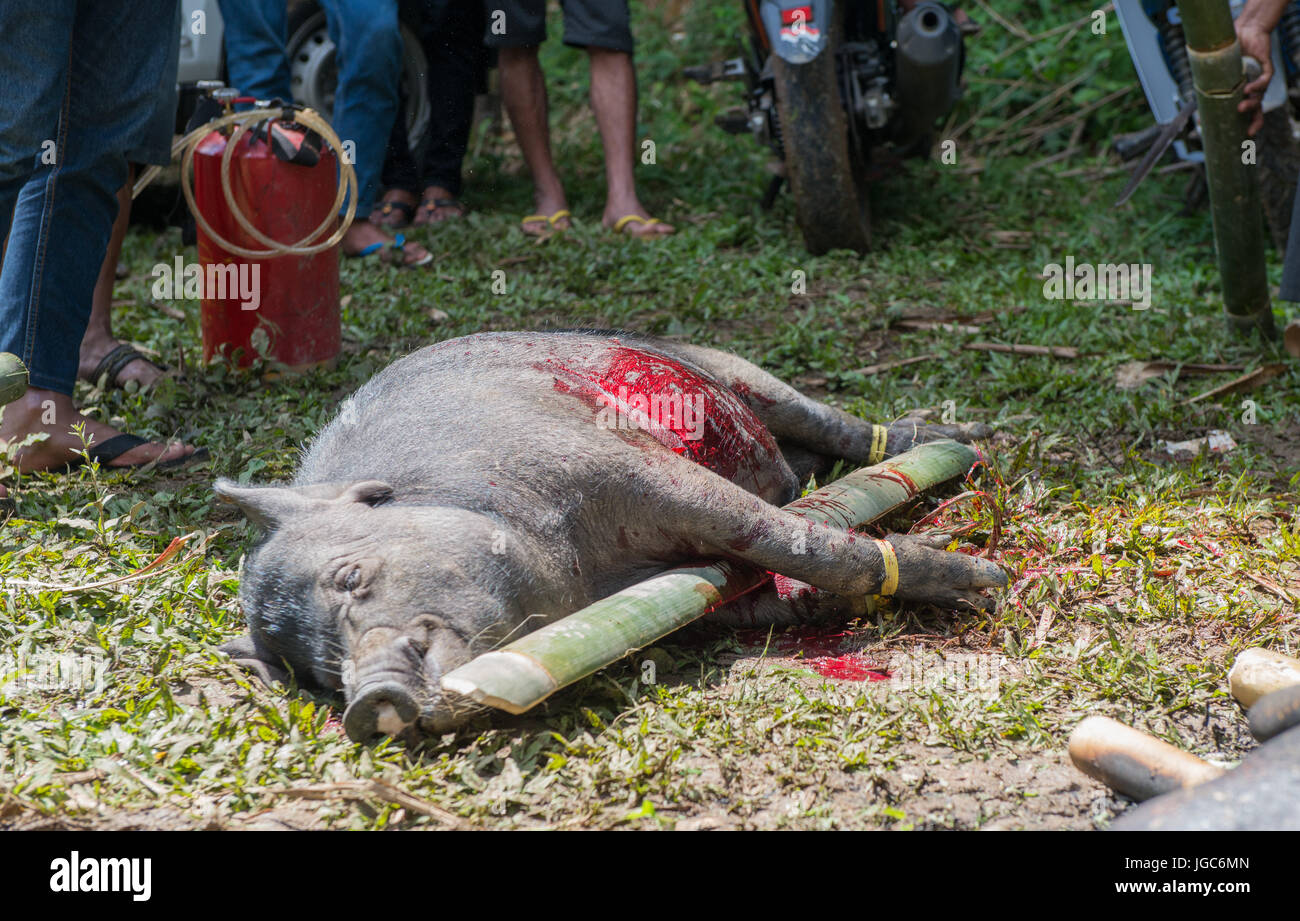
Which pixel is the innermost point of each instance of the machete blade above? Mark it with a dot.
(1157, 150)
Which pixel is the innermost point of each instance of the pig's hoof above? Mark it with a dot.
(381, 709)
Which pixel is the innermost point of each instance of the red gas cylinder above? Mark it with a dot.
(284, 308)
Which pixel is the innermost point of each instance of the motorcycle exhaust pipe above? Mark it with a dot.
(927, 62)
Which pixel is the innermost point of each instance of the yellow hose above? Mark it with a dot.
(309, 118)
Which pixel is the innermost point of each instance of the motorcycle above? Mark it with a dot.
(838, 90)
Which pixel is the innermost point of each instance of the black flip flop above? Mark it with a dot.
(117, 359)
(386, 210)
(118, 445)
(430, 205)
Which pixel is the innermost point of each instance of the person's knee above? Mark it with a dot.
(372, 35)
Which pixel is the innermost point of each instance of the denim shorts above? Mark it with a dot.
(587, 23)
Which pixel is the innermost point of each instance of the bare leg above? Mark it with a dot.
(98, 340)
(613, 99)
(523, 89)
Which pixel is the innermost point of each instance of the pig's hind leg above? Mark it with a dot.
(810, 432)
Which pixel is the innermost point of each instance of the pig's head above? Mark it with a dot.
(352, 591)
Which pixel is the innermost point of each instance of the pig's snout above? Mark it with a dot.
(384, 682)
(380, 708)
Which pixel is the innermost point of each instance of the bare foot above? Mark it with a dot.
(433, 213)
(395, 210)
(363, 234)
(54, 414)
(641, 224)
(548, 204)
(94, 346)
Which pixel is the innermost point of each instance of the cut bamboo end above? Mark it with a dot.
(502, 679)
(13, 377)
(1261, 671)
(1133, 763)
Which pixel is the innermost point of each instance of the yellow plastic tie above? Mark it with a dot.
(890, 585)
(879, 435)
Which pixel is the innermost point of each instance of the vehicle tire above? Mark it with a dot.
(315, 76)
(829, 188)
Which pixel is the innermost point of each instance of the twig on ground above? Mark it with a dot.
(370, 789)
(891, 365)
(1055, 351)
(1246, 382)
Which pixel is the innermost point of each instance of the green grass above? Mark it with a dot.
(1131, 586)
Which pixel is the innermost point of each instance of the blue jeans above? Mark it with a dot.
(81, 81)
(368, 44)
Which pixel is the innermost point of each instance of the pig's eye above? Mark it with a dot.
(348, 579)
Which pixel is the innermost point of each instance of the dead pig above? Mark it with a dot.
(484, 486)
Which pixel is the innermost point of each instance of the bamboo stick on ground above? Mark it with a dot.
(526, 672)
(1136, 764)
(13, 378)
(1259, 672)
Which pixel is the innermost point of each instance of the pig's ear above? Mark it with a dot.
(265, 506)
(371, 492)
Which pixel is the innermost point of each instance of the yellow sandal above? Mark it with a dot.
(551, 219)
(621, 225)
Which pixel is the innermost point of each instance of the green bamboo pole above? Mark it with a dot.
(1215, 56)
(13, 378)
(526, 672)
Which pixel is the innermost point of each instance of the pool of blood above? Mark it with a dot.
(821, 650)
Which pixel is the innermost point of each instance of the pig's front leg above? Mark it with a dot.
(712, 511)
(789, 604)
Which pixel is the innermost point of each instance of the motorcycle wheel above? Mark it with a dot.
(829, 189)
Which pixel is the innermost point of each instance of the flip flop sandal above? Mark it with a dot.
(384, 217)
(551, 219)
(429, 207)
(118, 445)
(620, 226)
(398, 244)
(117, 359)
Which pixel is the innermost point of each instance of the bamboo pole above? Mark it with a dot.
(1259, 672)
(13, 378)
(1216, 60)
(1136, 764)
(526, 672)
